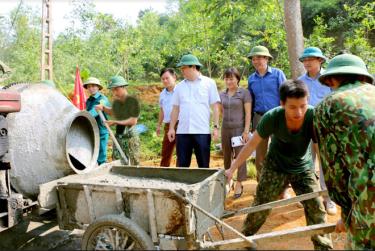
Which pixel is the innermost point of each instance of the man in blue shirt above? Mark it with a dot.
(263, 85)
(96, 97)
(312, 59)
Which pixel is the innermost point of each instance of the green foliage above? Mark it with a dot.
(319, 38)
(352, 31)
(23, 47)
(358, 38)
(150, 142)
(251, 169)
(219, 32)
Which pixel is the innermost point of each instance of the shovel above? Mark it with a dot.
(123, 156)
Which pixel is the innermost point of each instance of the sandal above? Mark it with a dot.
(238, 195)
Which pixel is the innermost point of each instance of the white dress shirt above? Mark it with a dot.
(194, 99)
(165, 102)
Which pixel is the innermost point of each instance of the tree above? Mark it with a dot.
(23, 47)
(294, 35)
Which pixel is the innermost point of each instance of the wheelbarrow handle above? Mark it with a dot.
(123, 156)
(186, 200)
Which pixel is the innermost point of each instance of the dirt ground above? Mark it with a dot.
(281, 218)
(43, 233)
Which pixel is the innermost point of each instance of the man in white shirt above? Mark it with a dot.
(168, 77)
(191, 101)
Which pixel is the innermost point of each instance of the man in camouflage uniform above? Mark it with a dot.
(345, 126)
(288, 161)
(126, 110)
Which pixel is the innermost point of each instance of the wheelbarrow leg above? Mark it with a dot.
(220, 229)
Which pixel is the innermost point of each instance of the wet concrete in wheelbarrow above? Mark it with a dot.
(43, 233)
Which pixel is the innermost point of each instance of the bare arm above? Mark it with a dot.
(107, 110)
(316, 148)
(247, 107)
(245, 134)
(126, 122)
(160, 121)
(216, 113)
(174, 117)
(104, 108)
(221, 109)
(246, 151)
(160, 117)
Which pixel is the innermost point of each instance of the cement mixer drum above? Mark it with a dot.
(48, 139)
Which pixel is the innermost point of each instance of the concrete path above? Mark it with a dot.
(39, 233)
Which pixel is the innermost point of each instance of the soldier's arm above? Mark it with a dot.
(126, 122)
(327, 114)
(104, 108)
(246, 151)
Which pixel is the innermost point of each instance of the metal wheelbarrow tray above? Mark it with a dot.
(145, 204)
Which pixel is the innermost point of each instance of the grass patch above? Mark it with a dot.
(251, 169)
(150, 142)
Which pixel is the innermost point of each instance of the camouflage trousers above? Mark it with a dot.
(272, 183)
(361, 233)
(129, 143)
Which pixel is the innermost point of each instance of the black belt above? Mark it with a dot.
(260, 113)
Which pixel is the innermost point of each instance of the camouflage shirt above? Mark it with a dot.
(345, 126)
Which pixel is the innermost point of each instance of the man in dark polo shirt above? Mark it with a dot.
(288, 160)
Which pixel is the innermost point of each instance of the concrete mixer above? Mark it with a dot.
(43, 137)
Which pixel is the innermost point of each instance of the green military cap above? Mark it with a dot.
(189, 59)
(117, 81)
(49, 82)
(259, 51)
(346, 64)
(312, 52)
(92, 81)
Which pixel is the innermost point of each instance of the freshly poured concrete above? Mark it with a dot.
(125, 190)
(124, 181)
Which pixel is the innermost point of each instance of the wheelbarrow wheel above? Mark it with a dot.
(115, 232)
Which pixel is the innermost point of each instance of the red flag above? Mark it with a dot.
(79, 98)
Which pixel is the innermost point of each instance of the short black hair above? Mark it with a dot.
(170, 70)
(293, 89)
(232, 71)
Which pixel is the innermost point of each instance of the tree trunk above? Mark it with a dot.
(294, 35)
